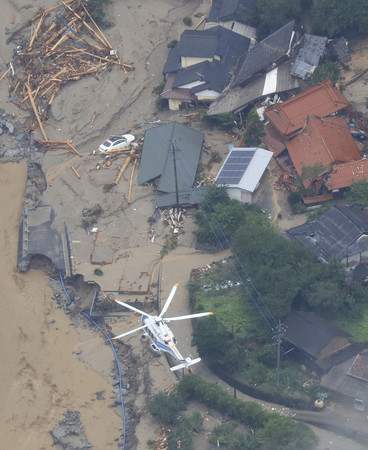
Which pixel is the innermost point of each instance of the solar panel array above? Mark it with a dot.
(235, 166)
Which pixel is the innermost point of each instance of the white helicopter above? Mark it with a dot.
(162, 338)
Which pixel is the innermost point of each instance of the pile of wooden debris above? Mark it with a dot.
(174, 218)
(57, 45)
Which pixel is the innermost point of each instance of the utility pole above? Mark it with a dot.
(280, 332)
(176, 177)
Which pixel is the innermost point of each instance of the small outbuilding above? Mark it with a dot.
(242, 172)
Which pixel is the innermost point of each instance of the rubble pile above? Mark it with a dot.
(58, 45)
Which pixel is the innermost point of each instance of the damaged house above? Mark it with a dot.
(170, 157)
(261, 72)
(306, 131)
(235, 15)
(199, 68)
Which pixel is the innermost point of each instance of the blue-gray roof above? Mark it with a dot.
(335, 233)
(309, 55)
(186, 198)
(220, 41)
(173, 62)
(225, 10)
(273, 48)
(161, 145)
(213, 74)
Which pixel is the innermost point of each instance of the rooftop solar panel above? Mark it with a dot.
(235, 166)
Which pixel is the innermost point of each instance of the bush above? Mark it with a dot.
(161, 103)
(188, 21)
(172, 44)
(167, 408)
(96, 10)
(329, 69)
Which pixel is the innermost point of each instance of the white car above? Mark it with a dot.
(116, 143)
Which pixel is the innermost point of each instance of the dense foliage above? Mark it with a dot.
(273, 14)
(335, 18)
(267, 428)
(358, 194)
(254, 130)
(329, 69)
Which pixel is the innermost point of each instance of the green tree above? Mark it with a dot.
(167, 408)
(285, 434)
(254, 130)
(358, 194)
(329, 69)
(340, 17)
(273, 14)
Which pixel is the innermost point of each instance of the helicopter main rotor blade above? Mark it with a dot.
(132, 331)
(132, 308)
(169, 299)
(189, 316)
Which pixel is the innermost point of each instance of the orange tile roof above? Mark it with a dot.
(321, 101)
(273, 140)
(322, 141)
(343, 175)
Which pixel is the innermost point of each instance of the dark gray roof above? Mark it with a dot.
(340, 49)
(235, 99)
(206, 44)
(224, 10)
(360, 272)
(262, 55)
(173, 62)
(158, 156)
(310, 332)
(335, 233)
(309, 55)
(339, 380)
(186, 198)
(214, 74)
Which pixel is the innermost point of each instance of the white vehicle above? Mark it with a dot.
(162, 338)
(117, 143)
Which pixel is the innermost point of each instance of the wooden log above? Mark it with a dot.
(29, 90)
(5, 74)
(75, 171)
(60, 41)
(47, 142)
(107, 43)
(124, 166)
(74, 150)
(200, 22)
(131, 181)
(87, 26)
(37, 29)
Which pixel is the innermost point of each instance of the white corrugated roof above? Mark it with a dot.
(254, 170)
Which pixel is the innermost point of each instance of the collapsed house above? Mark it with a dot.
(305, 131)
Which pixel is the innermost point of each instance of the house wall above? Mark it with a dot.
(240, 195)
(174, 105)
(207, 95)
(187, 61)
(337, 343)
